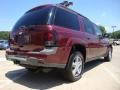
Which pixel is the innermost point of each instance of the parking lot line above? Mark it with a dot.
(111, 74)
(2, 59)
(5, 81)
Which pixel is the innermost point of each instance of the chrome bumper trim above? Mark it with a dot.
(46, 51)
(13, 57)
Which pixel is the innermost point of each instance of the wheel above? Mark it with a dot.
(114, 43)
(75, 67)
(109, 55)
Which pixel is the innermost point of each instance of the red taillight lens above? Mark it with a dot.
(50, 38)
(11, 41)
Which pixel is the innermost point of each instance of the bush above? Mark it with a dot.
(4, 35)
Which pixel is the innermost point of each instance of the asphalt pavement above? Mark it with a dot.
(98, 75)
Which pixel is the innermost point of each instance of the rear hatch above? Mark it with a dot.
(29, 32)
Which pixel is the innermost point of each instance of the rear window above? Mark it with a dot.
(37, 17)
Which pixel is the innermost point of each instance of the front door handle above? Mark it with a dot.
(88, 38)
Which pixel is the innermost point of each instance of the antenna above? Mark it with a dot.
(66, 3)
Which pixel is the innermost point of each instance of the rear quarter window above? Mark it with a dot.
(88, 26)
(66, 19)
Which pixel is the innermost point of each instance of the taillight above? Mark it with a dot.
(50, 39)
(11, 41)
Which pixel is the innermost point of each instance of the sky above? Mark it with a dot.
(101, 12)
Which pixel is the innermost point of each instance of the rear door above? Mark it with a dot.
(103, 42)
(92, 40)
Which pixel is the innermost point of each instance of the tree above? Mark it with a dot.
(115, 34)
(4, 35)
(102, 28)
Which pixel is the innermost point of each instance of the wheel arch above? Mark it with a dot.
(77, 47)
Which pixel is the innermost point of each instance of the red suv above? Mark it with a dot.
(53, 36)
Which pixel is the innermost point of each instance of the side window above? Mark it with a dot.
(97, 30)
(66, 19)
(88, 26)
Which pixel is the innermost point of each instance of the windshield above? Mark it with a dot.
(1, 41)
(37, 17)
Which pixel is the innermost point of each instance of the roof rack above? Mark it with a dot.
(66, 4)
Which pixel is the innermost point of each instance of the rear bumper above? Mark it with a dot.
(38, 59)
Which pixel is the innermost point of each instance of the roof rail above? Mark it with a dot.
(66, 4)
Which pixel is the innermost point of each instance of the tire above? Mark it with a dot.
(108, 58)
(31, 69)
(75, 66)
(114, 43)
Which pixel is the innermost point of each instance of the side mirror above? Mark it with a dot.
(100, 36)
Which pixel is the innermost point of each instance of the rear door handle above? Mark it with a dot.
(88, 38)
